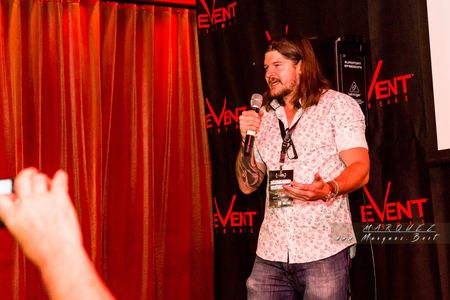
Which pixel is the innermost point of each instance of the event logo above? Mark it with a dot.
(394, 222)
(393, 211)
(389, 90)
(224, 118)
(233, 221)
(216, 17)
(269, 38)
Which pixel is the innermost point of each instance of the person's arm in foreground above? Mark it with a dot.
(40, 215)
(249, 173)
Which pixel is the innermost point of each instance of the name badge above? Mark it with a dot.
(277, 196)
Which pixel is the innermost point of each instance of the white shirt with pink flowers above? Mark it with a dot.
(310, 230)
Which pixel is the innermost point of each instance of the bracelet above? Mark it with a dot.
(335, 187)
(333, 193)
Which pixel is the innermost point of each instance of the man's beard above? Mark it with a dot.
(285, 91)
(280, 94)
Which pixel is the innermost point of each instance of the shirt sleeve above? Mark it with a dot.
(348, 123)
(258, 157)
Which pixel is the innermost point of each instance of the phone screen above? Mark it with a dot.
(6, 187)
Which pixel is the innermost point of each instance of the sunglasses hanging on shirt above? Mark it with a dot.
(286, 134)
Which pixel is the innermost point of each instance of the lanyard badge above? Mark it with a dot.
(277, 196)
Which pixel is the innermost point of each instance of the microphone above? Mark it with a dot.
(255, 104)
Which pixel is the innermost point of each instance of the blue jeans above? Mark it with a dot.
(323, 279)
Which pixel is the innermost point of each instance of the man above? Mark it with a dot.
(43, 220)
(316, 136)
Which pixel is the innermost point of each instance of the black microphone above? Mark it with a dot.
(255, 104)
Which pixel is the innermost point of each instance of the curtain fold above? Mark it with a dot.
(111, 93)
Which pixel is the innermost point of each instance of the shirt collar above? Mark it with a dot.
(281, 114)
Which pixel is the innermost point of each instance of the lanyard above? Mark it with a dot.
(287, 141)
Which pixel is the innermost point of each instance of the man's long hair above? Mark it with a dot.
(312, 81)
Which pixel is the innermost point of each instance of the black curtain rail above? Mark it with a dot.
(155, 3)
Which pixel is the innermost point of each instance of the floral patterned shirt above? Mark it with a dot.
(310, 231)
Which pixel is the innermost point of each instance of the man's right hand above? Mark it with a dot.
(249, 120)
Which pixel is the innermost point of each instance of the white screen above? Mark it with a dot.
(439, 28)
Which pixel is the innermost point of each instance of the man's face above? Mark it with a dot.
(282, 75)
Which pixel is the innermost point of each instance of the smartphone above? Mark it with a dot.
(6, 187)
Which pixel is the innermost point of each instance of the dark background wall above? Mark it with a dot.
(400, 133)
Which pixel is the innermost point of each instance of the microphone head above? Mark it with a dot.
(256, 100)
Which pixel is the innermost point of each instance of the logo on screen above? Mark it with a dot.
(388, 91)
(231, 221)
(216, 17)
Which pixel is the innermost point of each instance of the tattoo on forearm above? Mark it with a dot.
(249, 175)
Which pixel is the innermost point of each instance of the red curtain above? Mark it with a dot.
(112, 94)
